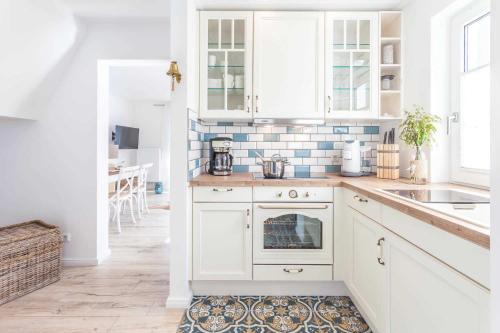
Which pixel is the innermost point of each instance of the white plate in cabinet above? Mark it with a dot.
(426, 295)
(226, 40)
(292, 272)
(288, 65)
(222, 241)
(351, 65)
(364, 205)
(222, 194)
(292, 194)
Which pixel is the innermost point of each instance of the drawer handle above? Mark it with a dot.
(359, 199)
(222, 189)
(293, 270)
(380, 244)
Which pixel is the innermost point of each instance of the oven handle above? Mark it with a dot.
(295, 206)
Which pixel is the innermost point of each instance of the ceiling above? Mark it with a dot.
(99, 9)
(140, 83)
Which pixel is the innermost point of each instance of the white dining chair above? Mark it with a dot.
(124, 194)
(141, 194)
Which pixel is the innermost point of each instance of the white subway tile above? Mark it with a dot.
(255, 168)
(287, 137)
(233, 129)
(248, 145)
(192, 135)
(375, 137)
(217, 129)
(317, 168)
(255, 137)
(295, 160)
(356, 130)
(294, 145)
(325, 161)
(279, 145)
(240, 153)
(318, 137)
(248, 129)
(364, 137)
(332, 137)
(264, 129)
(309, 161)
(236, 145)
(310, 129)
(346, 137)
(270, 152)
(348, 123)
(264, 145)
(338, 145)
(247, 161)
(236, 161)
(278, 129)
(302, 137)
(192, 165)
(325, 129)
(318, 153)
(287, 153)
(329, 153)
(309, 145)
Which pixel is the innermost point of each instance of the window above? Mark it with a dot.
(470, 92)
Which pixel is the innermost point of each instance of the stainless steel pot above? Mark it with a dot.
(275, 167)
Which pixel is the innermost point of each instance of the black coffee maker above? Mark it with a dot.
(221, 161)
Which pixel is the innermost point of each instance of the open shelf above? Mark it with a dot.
(391, 102)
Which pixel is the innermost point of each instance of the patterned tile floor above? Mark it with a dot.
(262, 314)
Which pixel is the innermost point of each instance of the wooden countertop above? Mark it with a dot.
(370, 187)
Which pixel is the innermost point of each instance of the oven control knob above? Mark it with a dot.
(307, 195)
(293, 194)
(280, 195)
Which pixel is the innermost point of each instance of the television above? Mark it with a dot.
(126, 137)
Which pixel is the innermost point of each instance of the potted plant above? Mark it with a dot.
(417, 130)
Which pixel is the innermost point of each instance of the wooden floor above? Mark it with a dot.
(126, 294)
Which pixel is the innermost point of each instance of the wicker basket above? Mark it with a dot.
(30, 258)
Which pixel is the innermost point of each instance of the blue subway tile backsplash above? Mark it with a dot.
(309, 149)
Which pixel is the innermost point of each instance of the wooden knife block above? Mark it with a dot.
(388, 161)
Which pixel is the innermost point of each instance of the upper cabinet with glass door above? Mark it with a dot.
(226, 65)
(351, 65)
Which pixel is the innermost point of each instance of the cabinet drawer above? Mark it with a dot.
(222, 194)
(292, 272)
(364, 205)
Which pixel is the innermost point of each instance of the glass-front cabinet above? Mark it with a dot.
(351, 65)
(226, 65)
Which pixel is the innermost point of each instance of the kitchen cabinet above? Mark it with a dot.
(399, 287)
(367, 278)
(288, 65)
(226, 40)
(351, 65)
(426, 295)
(222, 241)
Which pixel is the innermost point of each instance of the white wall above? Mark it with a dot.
(495, 168)
(37, 39)
(183, 44)
(426, 55)
(49, 167)
(153, 122)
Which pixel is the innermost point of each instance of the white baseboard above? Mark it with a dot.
(80, 262)
(271, 288)
(178, 302)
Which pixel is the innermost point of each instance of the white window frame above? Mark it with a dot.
(459, 174)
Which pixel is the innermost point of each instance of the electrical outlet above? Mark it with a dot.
(67, 237)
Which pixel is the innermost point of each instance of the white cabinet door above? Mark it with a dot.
(226, 41)
(428, 296)
(368, 276)
(351, 65)
(288, 65)
(222, 241)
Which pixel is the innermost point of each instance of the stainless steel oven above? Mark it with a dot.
(293, 226)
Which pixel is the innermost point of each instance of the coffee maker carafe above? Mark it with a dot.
(221, 161)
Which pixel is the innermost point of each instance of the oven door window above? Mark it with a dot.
(293, 231)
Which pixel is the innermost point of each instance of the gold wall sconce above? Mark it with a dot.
(173, 71)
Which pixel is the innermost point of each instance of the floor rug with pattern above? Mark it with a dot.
(263, 314)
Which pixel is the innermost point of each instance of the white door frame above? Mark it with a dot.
(103, 69)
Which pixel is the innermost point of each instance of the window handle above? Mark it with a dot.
(452, 118)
